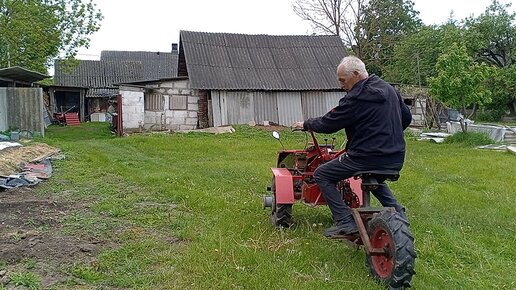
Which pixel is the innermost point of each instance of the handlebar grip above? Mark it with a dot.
(298, 129)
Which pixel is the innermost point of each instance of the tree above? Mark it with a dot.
(415, 56)
(384, 24)
(503, 86)
(332, 17)
(34, 32)
(492, 35)
(369, 27)
(460, 82)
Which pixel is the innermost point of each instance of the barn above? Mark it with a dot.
(226, 79)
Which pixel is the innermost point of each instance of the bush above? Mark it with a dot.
(469, 138)
(489, 116)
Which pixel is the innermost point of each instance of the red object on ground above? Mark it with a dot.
(72, 119)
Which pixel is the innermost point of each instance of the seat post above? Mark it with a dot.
(366, 195)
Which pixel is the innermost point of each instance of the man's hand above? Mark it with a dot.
(298, 125)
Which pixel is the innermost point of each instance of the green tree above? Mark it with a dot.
(384, 24)
(34, 32)
(415, 56)
(492, 35)
(460, 82)
(503, 86)
(370, 28)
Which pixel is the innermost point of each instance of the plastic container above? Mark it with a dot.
(15, 136)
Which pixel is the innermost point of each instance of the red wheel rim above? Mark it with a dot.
(382, 264)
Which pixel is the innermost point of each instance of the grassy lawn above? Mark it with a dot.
(183, 211)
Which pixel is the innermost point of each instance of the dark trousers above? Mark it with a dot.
(330, 173)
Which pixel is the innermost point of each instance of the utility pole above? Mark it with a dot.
(418, 69)
(8, 56)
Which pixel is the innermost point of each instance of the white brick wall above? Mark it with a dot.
(135, 116)
(193, 107)
(132, 109)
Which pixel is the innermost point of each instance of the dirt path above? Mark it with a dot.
(31, 234)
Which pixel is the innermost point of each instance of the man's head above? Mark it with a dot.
(350, 71)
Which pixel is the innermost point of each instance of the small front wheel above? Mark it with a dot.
(281, 214)
(389, 231)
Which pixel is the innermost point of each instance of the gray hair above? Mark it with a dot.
(352, 64)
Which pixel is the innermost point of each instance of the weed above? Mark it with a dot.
(86, 273)
(3, 265)
(469, 139)
(30, 264)
(27, 279)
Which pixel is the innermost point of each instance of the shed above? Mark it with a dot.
(87, 85)
(16, 76)
(21, 100)
(226, 78)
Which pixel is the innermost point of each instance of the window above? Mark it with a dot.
(178, 102)
(154, 102)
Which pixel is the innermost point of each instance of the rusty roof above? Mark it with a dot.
(226, 61)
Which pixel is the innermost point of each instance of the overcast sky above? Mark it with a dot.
(153, 25)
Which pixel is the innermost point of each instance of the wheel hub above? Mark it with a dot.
(383, 264)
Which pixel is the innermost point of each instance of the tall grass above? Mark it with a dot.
(470, 138)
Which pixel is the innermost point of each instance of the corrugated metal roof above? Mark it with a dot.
(97, 74)
(261, 62)
(156, 65)
(16, 73)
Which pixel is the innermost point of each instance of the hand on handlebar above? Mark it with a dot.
(298, 126)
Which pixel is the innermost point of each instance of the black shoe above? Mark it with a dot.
(341, 229)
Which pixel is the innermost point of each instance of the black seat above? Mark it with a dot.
(371, 178)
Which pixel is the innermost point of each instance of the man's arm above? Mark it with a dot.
(406, 116)
(336, 119)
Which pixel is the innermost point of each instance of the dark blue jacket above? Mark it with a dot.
(374, 117)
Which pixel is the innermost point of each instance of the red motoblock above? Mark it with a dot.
(384, 233)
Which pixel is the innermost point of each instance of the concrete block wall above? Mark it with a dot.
(418, 112)
(174, 119)
(132, 108)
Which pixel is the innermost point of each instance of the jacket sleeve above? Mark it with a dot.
(406, 116)
(337, 118)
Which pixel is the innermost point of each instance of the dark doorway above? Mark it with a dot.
(68, 101)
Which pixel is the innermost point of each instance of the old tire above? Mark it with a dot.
(281, 214)
(395, 269)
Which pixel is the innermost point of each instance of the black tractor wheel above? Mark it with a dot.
(281, 214)
(388, 230)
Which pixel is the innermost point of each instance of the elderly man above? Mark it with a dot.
(374, 117)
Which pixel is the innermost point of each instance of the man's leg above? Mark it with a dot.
(384, 194)
(327, 176)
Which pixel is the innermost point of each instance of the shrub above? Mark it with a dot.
(469, 138)
(489, 116)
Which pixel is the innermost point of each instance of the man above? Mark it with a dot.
(374, 117)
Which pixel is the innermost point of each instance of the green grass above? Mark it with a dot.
(470, 138)
(26, 279)
(184, 211)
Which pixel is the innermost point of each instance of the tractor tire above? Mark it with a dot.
(395, 269)
(281, 214)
